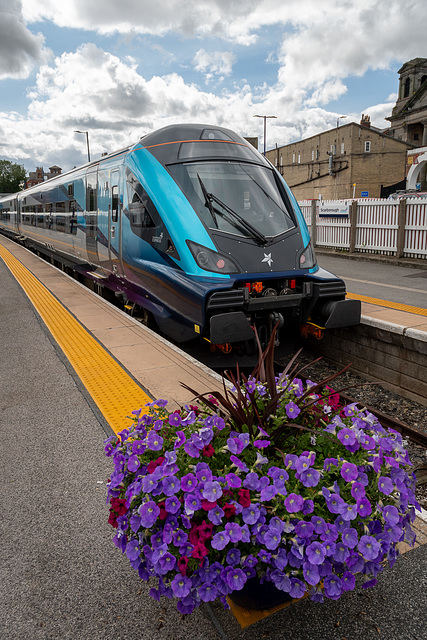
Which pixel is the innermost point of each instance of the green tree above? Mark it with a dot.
(11, 176)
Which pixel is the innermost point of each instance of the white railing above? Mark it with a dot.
(388, 227)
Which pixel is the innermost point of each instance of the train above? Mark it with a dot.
(194, 230)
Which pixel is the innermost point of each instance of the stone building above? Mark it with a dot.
(352, 160)
(408, 120)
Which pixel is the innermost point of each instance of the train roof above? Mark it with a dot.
(189, 142)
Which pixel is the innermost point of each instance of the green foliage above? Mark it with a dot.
(11, 176)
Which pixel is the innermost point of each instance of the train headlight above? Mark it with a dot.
(211, 260)
(307, 258)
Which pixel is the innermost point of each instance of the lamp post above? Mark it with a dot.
(265, 127)
(338, 120)
(87, 142)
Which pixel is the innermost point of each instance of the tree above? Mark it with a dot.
(11, 176)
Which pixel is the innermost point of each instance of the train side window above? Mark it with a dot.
(145, 220)
(139, 215)
(115, 202)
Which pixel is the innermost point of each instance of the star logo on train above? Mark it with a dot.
(268, 259)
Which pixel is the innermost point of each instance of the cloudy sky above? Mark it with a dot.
(119, 69)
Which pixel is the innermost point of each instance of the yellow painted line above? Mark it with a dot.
(390, 305)
(114, 392)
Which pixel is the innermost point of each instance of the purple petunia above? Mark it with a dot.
(171, 485)
(315, 553)
(364, 507)
(369, 547)
(349, 537)
(391, 514)
(234, 531)
(148, 512)
(220, 540)
(233, 480)
(188, 482)
(154, 441)
(385, 485)
(293, 503)
(292, 410)
(349, 471)
(181, 586)
(212, 491)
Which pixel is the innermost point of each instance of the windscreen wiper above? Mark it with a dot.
(235, 217)
(208, 201)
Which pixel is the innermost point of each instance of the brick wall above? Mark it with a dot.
(391, 355)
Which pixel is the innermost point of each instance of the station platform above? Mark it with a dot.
(62, 578)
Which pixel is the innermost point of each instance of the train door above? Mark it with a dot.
(115, 225)
(91, 215)
(104, 224)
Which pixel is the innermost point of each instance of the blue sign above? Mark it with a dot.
(364, 194)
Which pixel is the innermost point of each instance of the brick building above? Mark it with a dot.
(38, 176)
(343, 162)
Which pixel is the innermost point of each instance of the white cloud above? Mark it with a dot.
(20, 49)
(214, 63)
(323, 44)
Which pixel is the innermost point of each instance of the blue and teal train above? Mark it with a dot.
(195, 231)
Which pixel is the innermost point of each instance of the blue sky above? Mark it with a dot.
(122, 69)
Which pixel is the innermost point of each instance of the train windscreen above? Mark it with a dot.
(234, 197)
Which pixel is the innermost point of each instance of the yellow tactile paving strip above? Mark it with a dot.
(390, 305)
(114, 392)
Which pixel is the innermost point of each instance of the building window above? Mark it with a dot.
(333, 149)
(406, 88)
(299, 158)
(342, 148)
(367, 146)
(293, 158)
(312, 155)
(281, 161)
(317, 154)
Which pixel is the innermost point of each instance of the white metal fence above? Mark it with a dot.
(388, 227)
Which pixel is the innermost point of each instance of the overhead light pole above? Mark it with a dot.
(338, 120)
(265, 127)
(87, 142)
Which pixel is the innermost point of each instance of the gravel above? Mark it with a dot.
(378, 397)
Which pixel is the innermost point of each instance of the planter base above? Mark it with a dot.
(245, 615)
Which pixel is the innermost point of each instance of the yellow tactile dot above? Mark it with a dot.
(114, 392)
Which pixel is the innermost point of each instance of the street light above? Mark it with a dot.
(265, 126)
(87, 142)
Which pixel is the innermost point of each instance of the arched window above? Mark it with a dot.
(423, 79)
(406, 87)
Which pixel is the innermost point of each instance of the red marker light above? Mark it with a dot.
(292, 284)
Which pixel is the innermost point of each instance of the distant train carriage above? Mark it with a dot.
(194, 229)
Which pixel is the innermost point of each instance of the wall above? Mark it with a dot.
(398, 360)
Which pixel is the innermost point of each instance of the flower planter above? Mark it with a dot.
(273, 481)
